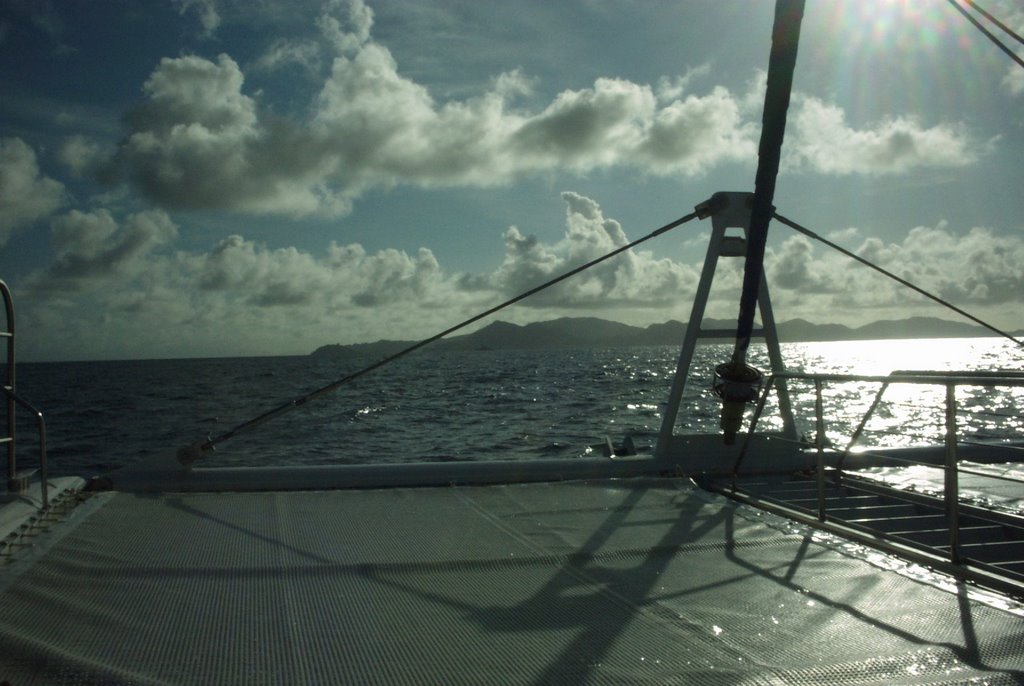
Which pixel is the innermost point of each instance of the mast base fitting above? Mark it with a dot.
(187, 454)
(732, 418)
(736, 387)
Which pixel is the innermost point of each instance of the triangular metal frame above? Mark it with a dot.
(727, 210)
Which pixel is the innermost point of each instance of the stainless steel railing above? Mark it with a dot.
(16, 482)
(950, 464)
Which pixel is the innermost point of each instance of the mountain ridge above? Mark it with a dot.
(590, 332)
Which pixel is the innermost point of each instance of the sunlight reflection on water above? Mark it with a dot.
(478, 405)
(908, 414)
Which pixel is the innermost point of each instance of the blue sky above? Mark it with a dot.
(258, 177)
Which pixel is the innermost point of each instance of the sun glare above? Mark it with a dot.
(890, 23)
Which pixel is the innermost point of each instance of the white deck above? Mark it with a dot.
(641, 580)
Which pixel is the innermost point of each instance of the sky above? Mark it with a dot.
(186, 178)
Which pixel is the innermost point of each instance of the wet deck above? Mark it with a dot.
(639, 580)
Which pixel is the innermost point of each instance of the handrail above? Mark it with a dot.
(13, 400)
(8, 335)
(43, 472)
(947, 379)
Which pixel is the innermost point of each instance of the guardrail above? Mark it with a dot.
(948, 380)
(17, 482)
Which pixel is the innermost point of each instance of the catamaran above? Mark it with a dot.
(753, 557)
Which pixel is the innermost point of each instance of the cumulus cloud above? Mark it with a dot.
(1013, 81)
(691, 135)
(347, 32)
(977, 269)
(824, 142)
(284, 52)
(343, 27)
(673, 88)
(93, 246)
(205, 11)
(346, 277)
(26, 195)
(80, 155)
(242, 297)
(635, 278)
(120, 281)
(198, 140)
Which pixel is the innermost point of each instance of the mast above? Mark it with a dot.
(737, 383)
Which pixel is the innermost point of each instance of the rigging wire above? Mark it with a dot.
(188, 454)
(810, 234)
(1006, 29)
(991, 36)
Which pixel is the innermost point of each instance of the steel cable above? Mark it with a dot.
(992, 37)
(188, 454)
(945, 303)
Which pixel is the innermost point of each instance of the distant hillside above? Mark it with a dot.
(591, 332)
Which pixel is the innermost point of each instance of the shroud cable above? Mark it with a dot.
(190, 453)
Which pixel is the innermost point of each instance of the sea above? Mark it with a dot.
(479, 405)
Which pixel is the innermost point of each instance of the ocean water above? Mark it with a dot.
(482, 405)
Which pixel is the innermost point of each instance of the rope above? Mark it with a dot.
(190, 453)
(992, 37)
(810, 234)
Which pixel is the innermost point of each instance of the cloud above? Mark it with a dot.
(36, 17)
(92, 246)
(670, 89)
(634, 278)
(347, 277)
(822, 141)
(199, 141)
(281, 52)
(586, 129)
(794, 267)
(26, 195)
(358, 24)
(264, 278)
(343, 27)
(81, 155)
(1013, 81)
(978, 269)
(119, 287)
(690, 136)
(205, 10)
(196, 142)
(118, 282)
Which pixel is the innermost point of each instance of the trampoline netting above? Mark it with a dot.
(627, 581)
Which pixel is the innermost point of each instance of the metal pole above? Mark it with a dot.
(693, 327)
(737, 379)
(781, 64)
(8, 334)
(819, 442)
(952, 480)
(44, 471)
(758, 411)
(863, 423)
